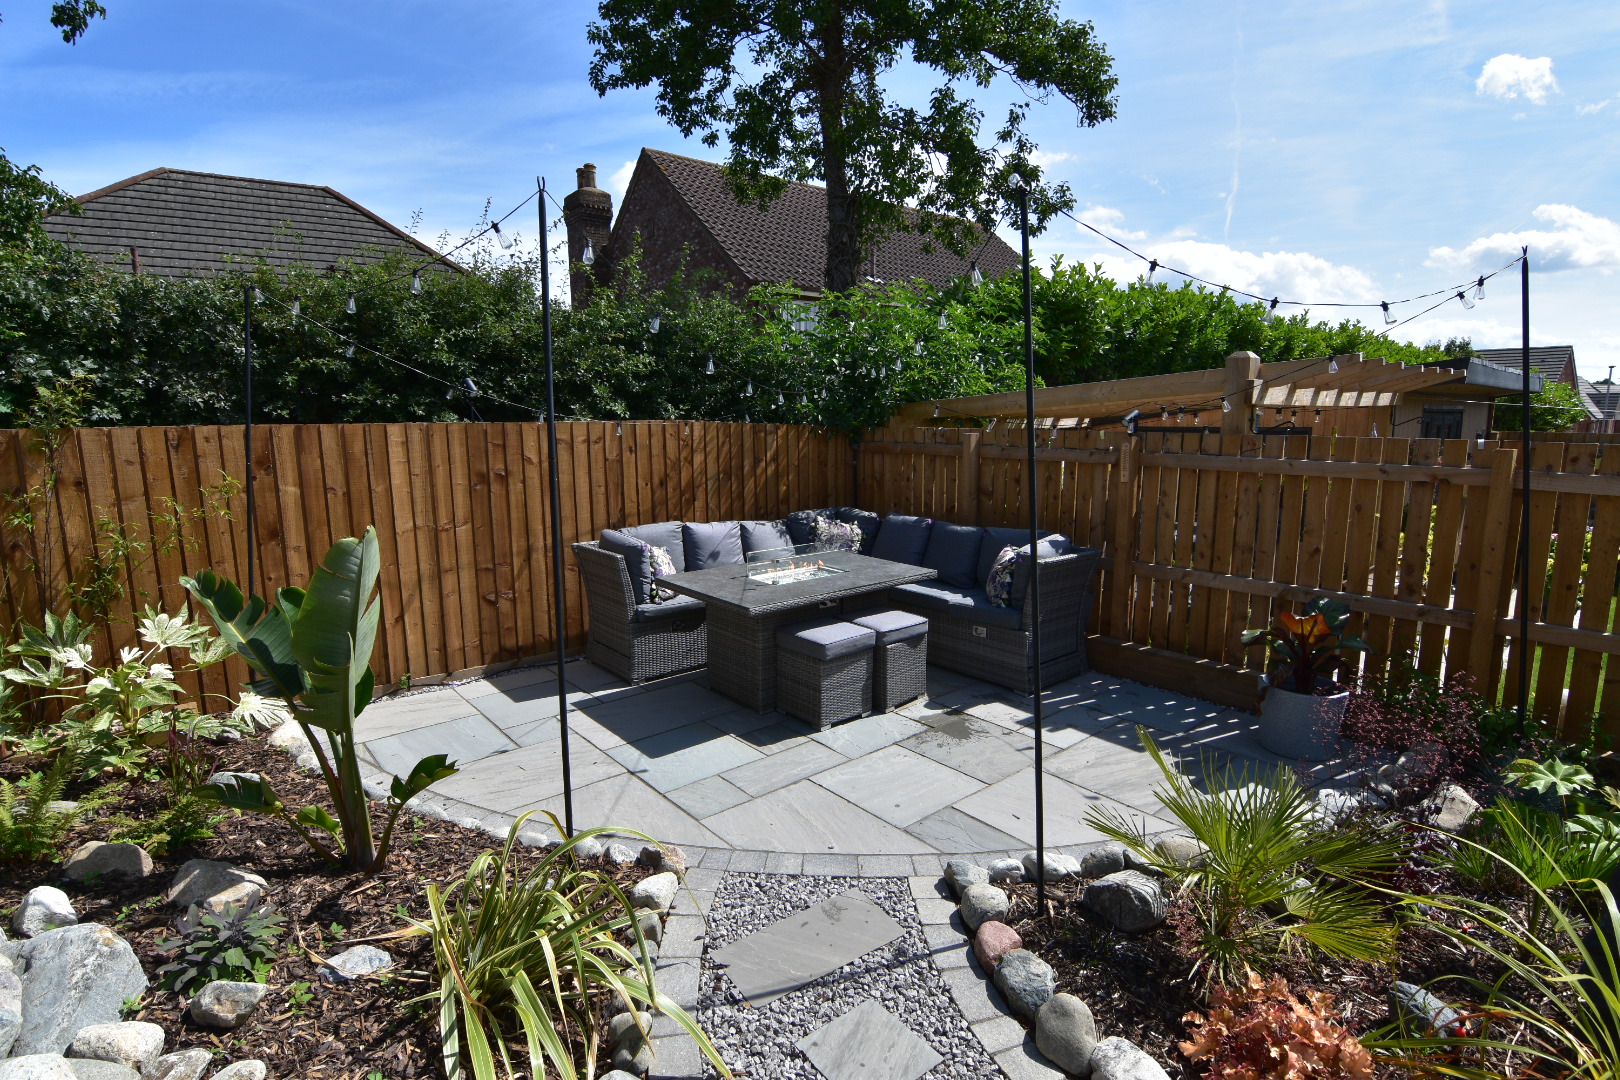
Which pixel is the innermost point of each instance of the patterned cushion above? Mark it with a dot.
(662, 565)
(836, 535)
(998, 585)
(865, 520)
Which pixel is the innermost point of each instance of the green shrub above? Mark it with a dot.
(533, 956)
(34, 818)
(1273, 879)
(237, 944)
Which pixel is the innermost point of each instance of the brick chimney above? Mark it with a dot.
(588, 212)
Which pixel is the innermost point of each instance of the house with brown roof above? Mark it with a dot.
(683, 209)
(177, 223)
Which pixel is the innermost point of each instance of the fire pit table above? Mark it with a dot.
(747, 603)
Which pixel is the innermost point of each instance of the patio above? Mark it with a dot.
(949, 774)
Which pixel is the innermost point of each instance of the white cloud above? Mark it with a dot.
(619, 182)
(1574, 240)
(1110, 220)
(1511, 75)
(1589, 110)
(1047, 158)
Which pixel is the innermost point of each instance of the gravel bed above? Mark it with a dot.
(761, 1042)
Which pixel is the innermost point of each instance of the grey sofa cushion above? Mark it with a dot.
(764, 536)
(970, 604)
(825, 640)
(664, 534)
(712, 543)
(635, 560)
(994, 540)
(801, 524)
(902, 539)
(953, 550)
(892, 626)
(682, 609)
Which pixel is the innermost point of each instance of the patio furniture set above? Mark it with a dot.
(830, 614)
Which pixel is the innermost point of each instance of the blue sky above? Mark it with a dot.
(1353, 151)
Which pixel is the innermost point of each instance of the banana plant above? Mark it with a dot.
(312, 649)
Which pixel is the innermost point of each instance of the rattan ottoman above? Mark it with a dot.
(824, 671)
(901, 660)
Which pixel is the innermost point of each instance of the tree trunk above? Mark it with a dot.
(843, 229)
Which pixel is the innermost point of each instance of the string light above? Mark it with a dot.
(1226, 406)
(588, 256)
(1164, 413)
(1333, 366)
(618, 429)
(708, 365)
(506, 242)
(349, 307)
(1479, 288)
(974, 275)
(297, 307)
(748, 391)
(1467, 303)
(1318, 418)
(349, 351)
(416, 283)
(1270, 315)
(780, 400)
(936, 408)
(917, 350)
(944, 323)
(258, 297)
(472, 387)
(655, 324)
(1130, 419)
(1389, 316)
(1153, 268)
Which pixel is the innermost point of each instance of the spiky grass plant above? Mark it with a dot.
(1273, 880)
(534, 955)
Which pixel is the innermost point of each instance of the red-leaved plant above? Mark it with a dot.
(1263, 1032)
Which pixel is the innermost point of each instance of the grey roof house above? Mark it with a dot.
(178, 223)
(1554, 363)
(683, 208)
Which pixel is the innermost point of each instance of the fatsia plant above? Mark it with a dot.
(1272, 879)
(312, 649)
(1308, 649)
(531, 955)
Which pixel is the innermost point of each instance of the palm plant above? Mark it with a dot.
(1273, 879)
(533, 955)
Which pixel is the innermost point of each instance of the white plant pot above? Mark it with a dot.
(1301, 726)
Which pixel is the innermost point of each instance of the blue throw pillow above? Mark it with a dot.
(902, 539)
(712, 543)
(664, 534)
(764, 536)
(953, 550)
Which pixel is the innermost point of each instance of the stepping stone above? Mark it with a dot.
(801, 948)
(868, 1043)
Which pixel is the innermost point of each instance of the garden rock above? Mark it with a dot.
(225, 1004)
(654, 893)
(1067, 1034)
(1008, 870)
(350, 964)
(618, 1074)
(994, 940)
(962, 873)
(211, 885)
(651, 926)
(95, 859)
(36, 1067)
(246, 1069)
(1415, 1005)
(77, 976)
(1334, 805)
(1448, 807)
(135, 1043)
(44, 908)
(289, 736)
(1115, 1058)
(588, 848)
(10, 1010)
(1026, 980)
(183, 1065)
(91, 1069)
(664, 857)
(1129, 901)
(1058, 866)
(982, 903)
(619, 855)
(1419, 765)
(1180, 850)
(1109, 858)
(632, 1052)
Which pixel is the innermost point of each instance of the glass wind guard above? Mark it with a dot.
(787, 565)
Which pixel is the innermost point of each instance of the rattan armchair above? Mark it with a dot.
(637, 642)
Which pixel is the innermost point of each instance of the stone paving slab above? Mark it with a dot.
(806, 817)
(868, 1043)
(784, 768)
(805, 946)
(898, 785)
(466, 740)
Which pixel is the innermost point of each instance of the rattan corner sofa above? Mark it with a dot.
(638, 637)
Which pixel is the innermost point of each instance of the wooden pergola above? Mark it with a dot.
(1245, 384)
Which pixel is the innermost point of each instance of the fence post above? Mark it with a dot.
(1242, 375)
(1500, 549)
(1124, 509)
(967, 476)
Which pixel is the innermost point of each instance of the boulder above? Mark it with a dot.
(1334, 805)
(962, 873)
(350, 964)
(91, 1069)
(1026, 981)
(1420, 1009)
(664, 857)
(655, 893)
(246, 1069)
(227, 1005)
(77, 976)
(182, 1065)
(993, 940)
(1180, 850)
(1108, 858)
(1067, 1034)
(10, 1009)
(982, 903)
(620, 855)
(211, 885)
(1058, 866)
(135, 1043)
(1420, 765)
(1129, 901)
(651, 926)
(36, 1067)
(290, 737)
(1448, 807)
(1115, 1058)
(43, 908)
(1008, 870)
(94, 859)
(632, 1050)
(588, 848)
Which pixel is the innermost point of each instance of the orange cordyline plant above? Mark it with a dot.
(1309, 648)
(1263, 1032)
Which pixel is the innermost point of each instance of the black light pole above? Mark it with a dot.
(1033, 596)
(1524, 520)
(247, 424)
(561, 627)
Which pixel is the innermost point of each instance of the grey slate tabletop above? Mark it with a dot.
(730, 586)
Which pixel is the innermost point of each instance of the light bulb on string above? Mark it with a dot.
(1333, 366)
(1164, 413)
(1479, 288)
(349, 307)
(708, 365)
(618, 429)
(974, 275)
(588, 256)
(944, 323)
(897, 365)
(748, 391)
(501, 238)
(349, 350)
(917, 349)
(1181, 416)
(1153, 268)
(1226, 406)
(297, 307)
(1270, 314)
(780, 400)
(258, 297)
(1466, 303)
(936, 410)
(416, 283)
(1197, 419)
(1389, 316)
(655, 324)
(1318, 418)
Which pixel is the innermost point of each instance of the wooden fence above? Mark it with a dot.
(461, 510)
(1420, 537)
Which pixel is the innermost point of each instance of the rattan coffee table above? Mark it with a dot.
(744, 613)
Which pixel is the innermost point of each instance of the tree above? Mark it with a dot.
(72, 17)
(1554, 408)
(796, 89)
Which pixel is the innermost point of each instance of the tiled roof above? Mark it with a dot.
(1545, 360)
(187, 222)
(1602, 401)
(788, 241)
